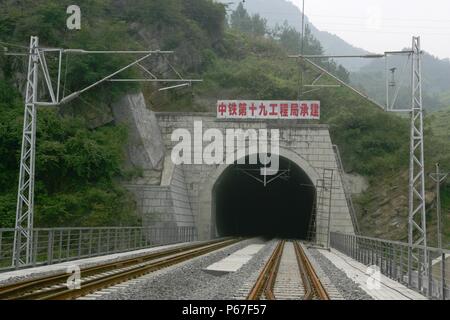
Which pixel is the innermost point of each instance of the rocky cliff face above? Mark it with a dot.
(356, 183)
(145, 148)
(383, 209)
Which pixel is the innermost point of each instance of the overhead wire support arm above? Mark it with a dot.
(16, 54)
(322, 86)
(265, 181)
(136, 62)
(399, 52)
(82, 51)
(315, 65)
(77, 93)
(155, 80)
(175, 86)
(367, 56)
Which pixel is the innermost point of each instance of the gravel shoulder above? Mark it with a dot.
(188, 281)
(349, 289)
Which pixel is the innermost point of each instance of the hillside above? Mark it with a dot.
(384, 204)
(279, 11)
(436, 80)
(80, 155)
(366, 74)
(439, 121)
(241, 60)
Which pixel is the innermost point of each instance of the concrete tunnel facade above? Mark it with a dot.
(189, 194)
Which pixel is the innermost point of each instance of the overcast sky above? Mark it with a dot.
(380, 25)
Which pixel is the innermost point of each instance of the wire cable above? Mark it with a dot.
(65, 75)
(13, 45)
(302, 46)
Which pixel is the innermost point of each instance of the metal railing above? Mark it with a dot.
(392, 259)
(54, 245)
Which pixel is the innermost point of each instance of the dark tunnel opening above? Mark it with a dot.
(281, 209)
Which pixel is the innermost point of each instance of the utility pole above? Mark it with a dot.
(23, 234)
(438, 177)
(302, 51)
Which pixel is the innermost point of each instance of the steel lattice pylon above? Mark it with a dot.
(417, 231)
(23, 238)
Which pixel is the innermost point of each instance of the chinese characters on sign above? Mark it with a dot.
(260, 109)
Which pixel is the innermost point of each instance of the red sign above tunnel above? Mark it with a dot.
(268, 109)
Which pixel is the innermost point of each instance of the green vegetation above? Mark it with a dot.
(435, 81)
(76, 169)
(373, 143)
(438, 122)
(242, 21)
(445, 198)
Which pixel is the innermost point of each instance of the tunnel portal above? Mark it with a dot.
(283, 208)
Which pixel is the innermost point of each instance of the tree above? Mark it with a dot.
(240, 19)
(288, 37)
(259, 25)
(76, 169)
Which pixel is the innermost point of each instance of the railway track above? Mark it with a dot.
(99, 277)
(288, 274)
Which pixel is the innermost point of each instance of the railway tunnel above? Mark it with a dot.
(282, 208)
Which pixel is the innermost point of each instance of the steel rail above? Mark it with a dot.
(316, 287)
(263, 279)
(110, 280)
(264, 285)
(268, 290)
(41, 288)
(307, 283)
